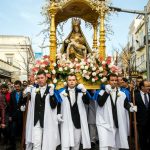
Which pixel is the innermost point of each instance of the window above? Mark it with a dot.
(141, 38)
(9, 58)
(142, 58)
(138, 62)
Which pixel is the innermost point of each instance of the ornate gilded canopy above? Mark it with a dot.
(90, 11)
(77, 8)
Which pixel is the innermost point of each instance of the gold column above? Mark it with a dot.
(53, 46)
(102, 39)
(95, 36)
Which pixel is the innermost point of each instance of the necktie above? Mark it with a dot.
(146, 101)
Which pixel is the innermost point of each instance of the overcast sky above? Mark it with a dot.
(22, 17)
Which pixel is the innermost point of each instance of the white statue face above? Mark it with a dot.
(76, 28)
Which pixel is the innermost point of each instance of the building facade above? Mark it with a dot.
(17, 51)
(136, 46)
(8, 72)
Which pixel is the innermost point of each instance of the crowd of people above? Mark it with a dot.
(11, 117)
(74, 117)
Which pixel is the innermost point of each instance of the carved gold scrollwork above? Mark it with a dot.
(52, 11)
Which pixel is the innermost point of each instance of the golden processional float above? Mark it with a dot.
(90, 11)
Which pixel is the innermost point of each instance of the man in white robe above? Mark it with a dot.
(42, 124)
(73, 117)
(112, 118)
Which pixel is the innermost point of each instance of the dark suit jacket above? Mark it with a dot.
(2, 108)
(14, 106)
(143, 113)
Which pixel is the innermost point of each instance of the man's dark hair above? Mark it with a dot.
(17, 82)
(141, 84)
(111, 75)
(4, 86)
(139, 77)
(125, 80)
(71, 74)
(41, 72)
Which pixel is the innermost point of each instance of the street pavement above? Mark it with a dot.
(4, 147)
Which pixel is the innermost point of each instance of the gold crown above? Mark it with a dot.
(76, 21)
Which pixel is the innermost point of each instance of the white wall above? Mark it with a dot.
(17, 47)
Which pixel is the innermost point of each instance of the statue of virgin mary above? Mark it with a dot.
(75, 45)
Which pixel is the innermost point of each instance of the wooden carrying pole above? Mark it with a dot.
(24, 123)
(131, 126)
(135, 124)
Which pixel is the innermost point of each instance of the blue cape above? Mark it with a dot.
(62, 89)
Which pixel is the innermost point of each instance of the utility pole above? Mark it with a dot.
(145, 14)
(28, 62)
(146, 43)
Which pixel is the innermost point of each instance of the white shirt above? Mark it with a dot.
(42, 90)
(142, 94)
(72, 95)
(113, 94)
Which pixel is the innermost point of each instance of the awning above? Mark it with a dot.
(5, 73)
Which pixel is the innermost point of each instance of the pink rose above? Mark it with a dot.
(48, 75)
(108, 60)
